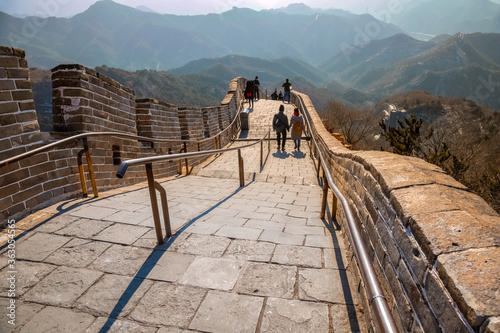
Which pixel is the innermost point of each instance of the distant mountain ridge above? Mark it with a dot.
(464, 65)
(449, 16)
(120, 36)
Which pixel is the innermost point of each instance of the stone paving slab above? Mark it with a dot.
(250, 259)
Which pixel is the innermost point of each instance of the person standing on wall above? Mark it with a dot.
(274, 95)
(287, 86)
(249, 93)
(256, 85)
(280, 125)
(297, 126)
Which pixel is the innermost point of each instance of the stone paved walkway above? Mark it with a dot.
(250, 259)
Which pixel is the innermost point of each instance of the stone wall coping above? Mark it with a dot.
(154, 101)
(92, 72)
(12, 51)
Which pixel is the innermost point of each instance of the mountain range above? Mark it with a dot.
(330, 54)
(120, 36)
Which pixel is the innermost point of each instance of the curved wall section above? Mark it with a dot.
(434, 245)
(86, 101)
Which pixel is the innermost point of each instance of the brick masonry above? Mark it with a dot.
(86, 101)
(434, 245)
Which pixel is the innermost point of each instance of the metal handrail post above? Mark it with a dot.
(186, 160)
(261, 153)
(164, 208)
(269, 139)
(91, 167)
(324, 198)
(81, 171)
(241, 169)
(154, 202)
(319, 167)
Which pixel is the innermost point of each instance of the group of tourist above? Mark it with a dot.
(280, 121)
(281, 126)
(252, 92)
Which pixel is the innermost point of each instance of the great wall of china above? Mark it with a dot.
(434, 245)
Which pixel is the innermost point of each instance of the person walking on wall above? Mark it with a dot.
(280, 125)
(256, 85)
(249, 93)
(287, 86)
(297, 126)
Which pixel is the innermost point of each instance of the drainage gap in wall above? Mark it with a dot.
(116, 155)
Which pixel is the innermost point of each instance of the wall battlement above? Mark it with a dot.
(87, 101)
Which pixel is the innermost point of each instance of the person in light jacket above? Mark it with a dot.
(297, 126)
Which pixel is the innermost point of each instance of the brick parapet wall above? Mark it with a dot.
(211, 121)
(83, 101)
(86, 101)
(157, 119)
(20, 128)
(434, 245)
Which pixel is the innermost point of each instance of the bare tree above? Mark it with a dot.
(354, 125)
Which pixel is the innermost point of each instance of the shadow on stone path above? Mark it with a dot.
(250, 259)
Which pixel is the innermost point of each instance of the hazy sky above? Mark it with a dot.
(63, 8)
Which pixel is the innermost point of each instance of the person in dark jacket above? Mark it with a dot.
(256, 85)
(281, 126)
(249, 93)
(288, 87)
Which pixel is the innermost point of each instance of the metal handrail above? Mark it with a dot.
(153, 186)
(122, 169)
(88, 157)
(373, 289)
(52, 145)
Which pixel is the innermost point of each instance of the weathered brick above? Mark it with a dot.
(31, 127)
(23, 117)
(13, 177)
(35, 159)
(9, 62)
(27, 105)
(402, 303)
(5, 96)
(421, 307)
(38, 199)
(388, 241)
(442, 304)
(410, 249)
(18, 73)
(28, 193)
(23, 84)
(16, 208)
(9, 107)
(51, 184)
(5, 203)
(42, 168)
(22, 95)
(32, 137)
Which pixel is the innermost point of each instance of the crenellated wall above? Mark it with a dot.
(86, 101)
(434, 245)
